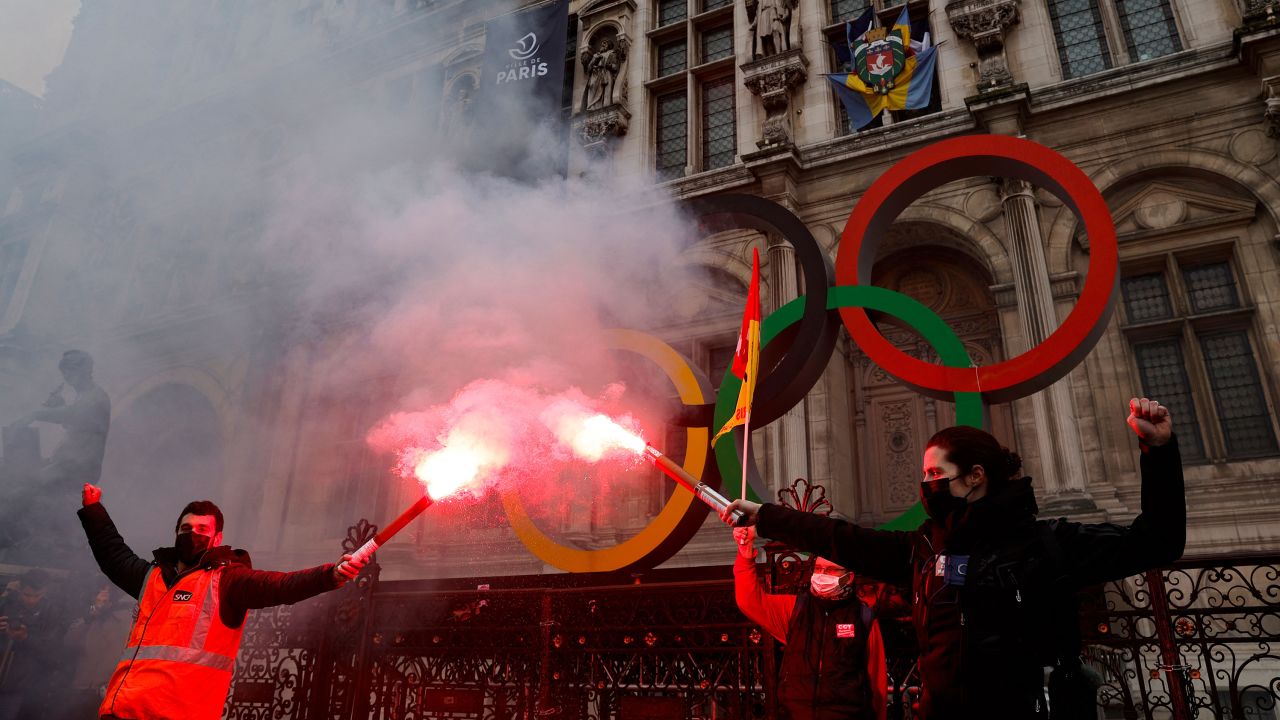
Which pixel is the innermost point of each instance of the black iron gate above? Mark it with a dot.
(1197, 640)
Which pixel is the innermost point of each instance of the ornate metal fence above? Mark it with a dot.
(1198, 640)
(1194, 641)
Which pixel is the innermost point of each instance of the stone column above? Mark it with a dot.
(791, 449)
(1057, 434)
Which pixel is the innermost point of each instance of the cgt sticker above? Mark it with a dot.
(181, 595)
(846, 630)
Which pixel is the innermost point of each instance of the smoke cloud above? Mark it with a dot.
(269, 229)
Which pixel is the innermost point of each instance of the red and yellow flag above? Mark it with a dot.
(746, 359)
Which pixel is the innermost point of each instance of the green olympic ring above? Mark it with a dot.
(936, 332)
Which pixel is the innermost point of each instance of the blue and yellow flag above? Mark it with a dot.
(888, 73)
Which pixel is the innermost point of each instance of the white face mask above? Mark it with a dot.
(829, 587)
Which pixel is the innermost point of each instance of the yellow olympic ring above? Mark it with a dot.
(663, 527)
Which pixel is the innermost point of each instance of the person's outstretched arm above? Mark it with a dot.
(771, 612)
(1099, 552)
(881, 554)
(118, 561)
(246, 589)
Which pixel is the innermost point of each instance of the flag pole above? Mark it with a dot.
(746, 445)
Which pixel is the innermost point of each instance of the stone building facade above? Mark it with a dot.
(1167, 105)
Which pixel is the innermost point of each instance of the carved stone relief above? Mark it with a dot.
(898, 420)
(772, 80)
(984, 22)
(1252, 147)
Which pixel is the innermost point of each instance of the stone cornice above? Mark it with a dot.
(1128, 78)
(898, 135)
(711, 181)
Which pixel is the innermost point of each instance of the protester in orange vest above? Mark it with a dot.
(192, 602)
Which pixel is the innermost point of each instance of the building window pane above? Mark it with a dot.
(719, 127)
(1211, 287)
(673, 135)
(1237, 393)
(846, 10)
(672, 57)
(1082, 46)
(1164, 377)
(713, 4)
(1146, 297)
(717, 43)
(1149, 30)
(670, 11)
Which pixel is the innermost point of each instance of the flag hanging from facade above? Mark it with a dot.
(890, 71)
(746, 358)
(520, 130)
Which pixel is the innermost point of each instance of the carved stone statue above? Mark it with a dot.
(86, 420)
(771, 27)
(460, 109)
(35, 517)
(603, 61)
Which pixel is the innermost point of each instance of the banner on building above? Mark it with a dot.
(522, 133)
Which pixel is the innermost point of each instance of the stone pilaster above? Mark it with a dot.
(791, 449)
(1062, 470)
(774, 79)
(984, 23)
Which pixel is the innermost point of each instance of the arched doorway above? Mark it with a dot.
(892, 422)
(165, 449)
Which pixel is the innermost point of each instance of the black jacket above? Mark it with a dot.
(824, 666)
(242, 588)
(994, 595)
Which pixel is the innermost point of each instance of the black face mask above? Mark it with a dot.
(191, 547)
(938, 501)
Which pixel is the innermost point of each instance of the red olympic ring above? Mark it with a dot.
(956, 159)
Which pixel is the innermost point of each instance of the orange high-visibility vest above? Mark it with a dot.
(180, 655)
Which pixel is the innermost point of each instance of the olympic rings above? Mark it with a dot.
(935, 331)
(806, 359)
(955, 159)
(679, 519)
(813, 323)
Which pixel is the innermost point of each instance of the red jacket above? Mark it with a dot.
(773, 614)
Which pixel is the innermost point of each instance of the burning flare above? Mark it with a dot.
(464, 459)
(591, 437)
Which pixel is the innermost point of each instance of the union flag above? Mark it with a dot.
(746, 357)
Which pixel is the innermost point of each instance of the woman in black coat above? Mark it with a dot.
(993, 587)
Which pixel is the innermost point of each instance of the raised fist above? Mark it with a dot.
(1151, 421)
(90, 495)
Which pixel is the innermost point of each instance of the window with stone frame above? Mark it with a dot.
(1094, 35)
(1192, 339)
(692, 87)
(845, 11)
